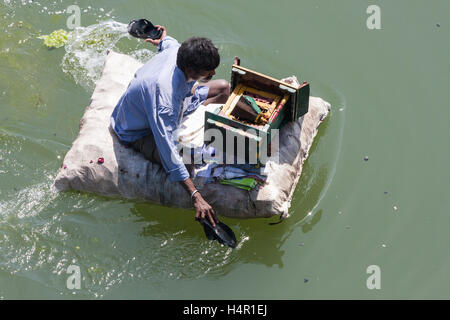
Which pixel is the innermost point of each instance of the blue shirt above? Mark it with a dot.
(153, 103)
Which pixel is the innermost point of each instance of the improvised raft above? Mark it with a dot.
(126, 173)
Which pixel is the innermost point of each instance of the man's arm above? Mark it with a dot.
(163, 122)
(202, 209)
(165, 41)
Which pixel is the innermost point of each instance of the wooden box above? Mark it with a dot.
(280, 102)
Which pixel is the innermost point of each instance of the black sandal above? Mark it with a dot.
(143, 29)
(221, 232)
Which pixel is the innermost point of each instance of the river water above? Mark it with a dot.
(389, 92)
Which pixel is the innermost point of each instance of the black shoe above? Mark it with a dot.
(143, 29)
(222, 233)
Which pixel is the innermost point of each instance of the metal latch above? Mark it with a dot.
(283, 87)
(238, 70)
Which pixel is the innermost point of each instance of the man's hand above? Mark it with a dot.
(157, 41)
(203, 210)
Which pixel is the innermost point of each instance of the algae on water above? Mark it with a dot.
(56, 39)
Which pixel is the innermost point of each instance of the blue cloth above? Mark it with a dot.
(155, 102)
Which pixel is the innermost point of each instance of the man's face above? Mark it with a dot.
(205, 76)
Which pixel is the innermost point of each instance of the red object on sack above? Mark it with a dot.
(100, 160)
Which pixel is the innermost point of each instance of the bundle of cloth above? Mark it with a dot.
(243, 176)
(98, 163)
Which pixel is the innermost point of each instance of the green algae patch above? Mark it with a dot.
(56, 39)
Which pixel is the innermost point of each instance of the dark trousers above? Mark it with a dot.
(147, 146)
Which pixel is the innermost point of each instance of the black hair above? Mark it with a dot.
(199, 54)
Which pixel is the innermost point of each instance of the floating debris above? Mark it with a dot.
(305, 280)
(95, 270)
(385, 192)
(56, 39)
(438, 25)
(395, 208)
(347, 227)
(340, 212)
(383, 245)
(366, 158)
(302, 244)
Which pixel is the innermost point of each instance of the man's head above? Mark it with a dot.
(197, 58)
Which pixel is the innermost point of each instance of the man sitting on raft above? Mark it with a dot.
(160, 94)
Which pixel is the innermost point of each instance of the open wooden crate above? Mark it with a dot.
(280, 102)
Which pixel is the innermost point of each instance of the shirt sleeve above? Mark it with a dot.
(166, 43)
(195, 100)
(163, 122)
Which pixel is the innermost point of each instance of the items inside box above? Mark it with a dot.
(252, 106)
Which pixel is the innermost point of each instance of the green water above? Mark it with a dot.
(389, 91)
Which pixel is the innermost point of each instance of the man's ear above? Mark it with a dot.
(190, 73)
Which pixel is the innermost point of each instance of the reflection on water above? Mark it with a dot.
(180, 245)
(185, 245)
(318, 173)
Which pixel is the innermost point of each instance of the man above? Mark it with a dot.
(160, 94)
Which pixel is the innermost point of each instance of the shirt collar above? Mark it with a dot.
(180, 75)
